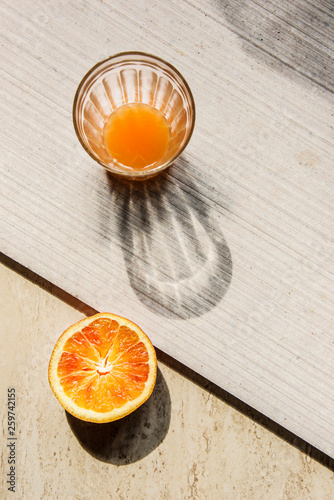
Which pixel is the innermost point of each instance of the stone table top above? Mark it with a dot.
(191, 440)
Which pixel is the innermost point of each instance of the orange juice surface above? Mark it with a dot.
(136, 135)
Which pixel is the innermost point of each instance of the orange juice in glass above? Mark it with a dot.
(134, 114)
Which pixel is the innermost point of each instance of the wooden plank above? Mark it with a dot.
(226, 260)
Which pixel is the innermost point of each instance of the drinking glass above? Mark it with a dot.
(125, 78)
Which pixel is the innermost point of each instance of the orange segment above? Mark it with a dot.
(102, 368)
(78, 344)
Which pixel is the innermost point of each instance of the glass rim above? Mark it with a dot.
(133, 173)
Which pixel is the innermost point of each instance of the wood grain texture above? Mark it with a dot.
(225, 261)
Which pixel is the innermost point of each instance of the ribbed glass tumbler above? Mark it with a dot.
(126, 78)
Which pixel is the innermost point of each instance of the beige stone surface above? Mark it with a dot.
(186, 442)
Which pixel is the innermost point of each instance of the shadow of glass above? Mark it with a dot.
(177, 259)
(296, 35)
(133, 437)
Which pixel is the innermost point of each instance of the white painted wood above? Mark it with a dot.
(226, 261)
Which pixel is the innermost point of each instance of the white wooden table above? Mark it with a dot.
(225, 261)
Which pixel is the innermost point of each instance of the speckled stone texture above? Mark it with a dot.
(189, 441)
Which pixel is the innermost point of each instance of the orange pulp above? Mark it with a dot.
(136, 135)
(103, 366)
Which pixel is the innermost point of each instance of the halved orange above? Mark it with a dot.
(102, 368)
